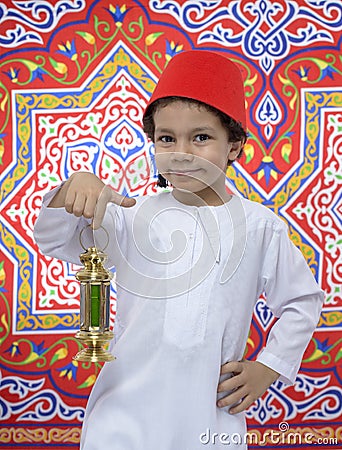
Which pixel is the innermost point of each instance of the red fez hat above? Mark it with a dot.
(207, 77)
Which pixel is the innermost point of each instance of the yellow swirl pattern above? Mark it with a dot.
(20, 435)
(330, 319)
(26, 320)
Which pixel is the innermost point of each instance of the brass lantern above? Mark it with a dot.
(94, 307)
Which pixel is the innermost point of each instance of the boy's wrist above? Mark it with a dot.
(272, 374)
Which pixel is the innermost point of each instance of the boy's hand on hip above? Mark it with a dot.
(249, 381)
(84, 194)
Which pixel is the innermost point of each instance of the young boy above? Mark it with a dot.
(190, 266)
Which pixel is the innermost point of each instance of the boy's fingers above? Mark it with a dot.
(99, 214)
(89, 207)
(233, 398)
(69, 201)
(109, 196)
(121, 200)
(79, 203)
(230, 384)
(244, 404)
(232, 366)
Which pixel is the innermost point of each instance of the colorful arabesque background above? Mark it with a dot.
(75, 77)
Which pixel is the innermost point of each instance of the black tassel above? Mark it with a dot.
(162, 182)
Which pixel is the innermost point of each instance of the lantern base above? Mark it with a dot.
(94, 352)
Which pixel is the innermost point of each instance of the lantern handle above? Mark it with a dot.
(103, 228)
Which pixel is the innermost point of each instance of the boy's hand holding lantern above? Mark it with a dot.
(84, 194)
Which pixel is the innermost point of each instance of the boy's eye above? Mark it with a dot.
(165, 139)
(201, 137)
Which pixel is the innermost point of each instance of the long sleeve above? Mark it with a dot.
(295, 299)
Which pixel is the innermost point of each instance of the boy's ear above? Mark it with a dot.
(235, 148)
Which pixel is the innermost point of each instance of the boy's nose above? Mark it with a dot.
(182, 156)
(183, 152)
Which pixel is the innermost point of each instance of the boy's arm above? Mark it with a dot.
(295, 298)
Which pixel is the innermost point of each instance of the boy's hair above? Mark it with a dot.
(234, 129)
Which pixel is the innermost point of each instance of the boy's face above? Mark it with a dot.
(193, 149)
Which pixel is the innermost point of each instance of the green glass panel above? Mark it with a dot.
(95, 293)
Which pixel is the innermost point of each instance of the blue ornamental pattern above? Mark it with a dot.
(257, 28)
(40, 16)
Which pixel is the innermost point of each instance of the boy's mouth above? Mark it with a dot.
(183, 172)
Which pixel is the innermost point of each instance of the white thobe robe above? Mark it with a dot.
(188, 279)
